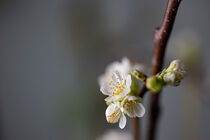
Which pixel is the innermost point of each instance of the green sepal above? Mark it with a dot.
(155, 84)
(134, 88)
(108, 103)
(139, 75)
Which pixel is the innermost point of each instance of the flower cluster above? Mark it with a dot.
(120, 84)
(121, 88)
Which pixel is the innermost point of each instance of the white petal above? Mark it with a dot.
(140, 110)
(113, 98)
(105, 89)
(124, 93)
(177, 63)
(130, 110)
(107, 76)
(125, 61)
(113, 113)
(179, 67)
(124, 100)
(110, 99)
(116, 97)
(128, 98)
(114, 76)
(132, 98)
(139, 67)
(122, 122)
(110, 109)
(126, 90)
(172, 77)
(128, 81)
(117, 76)
(101, 80)
(126, 65)
(114, 66)
(127, 86)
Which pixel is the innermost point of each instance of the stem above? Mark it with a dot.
(143, 91)
(162, 35)
(136, 127)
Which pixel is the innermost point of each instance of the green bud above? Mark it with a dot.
(154, 84)
(172, 78)
(174, 73)
(176, 66)
(139, 75)
(172, 66)
(162, 73)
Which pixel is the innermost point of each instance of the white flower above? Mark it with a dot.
(114, 113)
(117, 87)
(124, 67)
(130, 106)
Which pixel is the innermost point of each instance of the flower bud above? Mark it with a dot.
(174, 73)
(139, 75)
(154, 84)
(176, 66)
(172, 78)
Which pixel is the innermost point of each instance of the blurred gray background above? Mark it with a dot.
(52, 52)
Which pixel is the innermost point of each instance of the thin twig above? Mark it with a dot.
(136, 127)
(143, 91)
(162, 35)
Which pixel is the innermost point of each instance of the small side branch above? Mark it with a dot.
(136, 127)
(161, 37)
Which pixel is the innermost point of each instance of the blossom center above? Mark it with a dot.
(129, 103)
(117, 88)
(113, 118)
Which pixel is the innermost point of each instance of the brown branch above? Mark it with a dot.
(136, 127)
(143, 91)
(162, 35)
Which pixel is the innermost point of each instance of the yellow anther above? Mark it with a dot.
(113, 118)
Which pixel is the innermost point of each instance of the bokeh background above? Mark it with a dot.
(52, 52)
